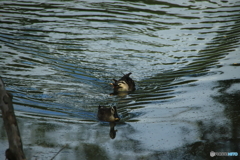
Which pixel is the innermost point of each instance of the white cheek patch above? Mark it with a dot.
(123, 86)
(112, 110)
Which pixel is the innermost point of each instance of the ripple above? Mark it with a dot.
(58, 58)
(71, 51)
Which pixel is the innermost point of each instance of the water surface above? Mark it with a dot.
(58, 58)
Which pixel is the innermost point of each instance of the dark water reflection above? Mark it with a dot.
(57, 58)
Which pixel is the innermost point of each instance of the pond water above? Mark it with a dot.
(58, 58)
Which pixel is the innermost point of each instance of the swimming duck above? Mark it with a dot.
(108, 114)
(123, 84)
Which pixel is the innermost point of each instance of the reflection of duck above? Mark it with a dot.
(123, 84)
(112, 132)
(108, 114)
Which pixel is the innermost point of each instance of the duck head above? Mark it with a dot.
(120, 85)
(108, 114)
(124, 84)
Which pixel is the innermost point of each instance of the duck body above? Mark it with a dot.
(124, 84)
(108, 114)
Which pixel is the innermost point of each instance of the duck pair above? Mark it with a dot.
(124, 84)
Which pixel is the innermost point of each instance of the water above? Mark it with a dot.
(58, 58)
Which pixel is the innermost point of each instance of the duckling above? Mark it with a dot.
(123, 84)
(108, 114)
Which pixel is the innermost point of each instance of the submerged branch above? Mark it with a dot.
(59, 151)
(15, 150)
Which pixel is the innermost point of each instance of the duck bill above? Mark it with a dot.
(114, 85)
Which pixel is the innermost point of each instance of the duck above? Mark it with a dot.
(108, 114)
(124, 84)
